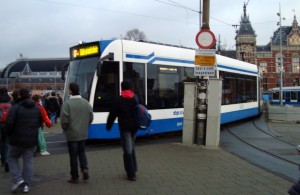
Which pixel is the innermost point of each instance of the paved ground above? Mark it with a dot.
(164, 168)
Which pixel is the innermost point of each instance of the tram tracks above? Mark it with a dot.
(257, 143)
(263, 149)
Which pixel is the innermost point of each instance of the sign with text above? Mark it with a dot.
(204, 71)
(205, 60)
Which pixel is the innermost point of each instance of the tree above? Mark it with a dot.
(135, 35)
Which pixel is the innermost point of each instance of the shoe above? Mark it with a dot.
(6, 167)
(85, 174)
(26, 189)
(45, 153)
(17, 186)
(131, 178)
(71, 180)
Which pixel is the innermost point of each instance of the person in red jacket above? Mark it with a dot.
(46, 121)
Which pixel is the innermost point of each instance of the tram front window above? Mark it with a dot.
(82, 72)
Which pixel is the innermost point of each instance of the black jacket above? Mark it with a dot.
(124, 109)
(23, 122)
(52, 104)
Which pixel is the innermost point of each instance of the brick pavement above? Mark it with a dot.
(164, 168)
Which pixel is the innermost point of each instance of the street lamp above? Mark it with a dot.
(281, 58)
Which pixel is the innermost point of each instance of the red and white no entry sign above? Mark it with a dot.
(205, 39)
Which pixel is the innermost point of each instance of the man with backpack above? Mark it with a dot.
(124, 108)
(5, 105)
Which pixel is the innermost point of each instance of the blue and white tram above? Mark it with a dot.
(290, 95)
(157, 73)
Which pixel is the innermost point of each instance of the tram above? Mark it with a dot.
(290, 95)
(157, 73)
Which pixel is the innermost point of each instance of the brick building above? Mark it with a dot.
(285, 41)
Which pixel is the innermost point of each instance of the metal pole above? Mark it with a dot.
(200, 15)
(206, 7)
(55, 79)
(281, 58)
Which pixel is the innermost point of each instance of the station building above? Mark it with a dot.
(35, 74)
(284, 44)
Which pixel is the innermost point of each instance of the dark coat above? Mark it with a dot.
(23, 121)
(52, 104)
(123, 109)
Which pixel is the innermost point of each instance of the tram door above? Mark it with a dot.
(107, 87)
(135, 74)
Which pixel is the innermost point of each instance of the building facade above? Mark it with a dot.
(282, 53)
(34, 74)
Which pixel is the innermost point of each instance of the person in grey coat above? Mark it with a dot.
(76, 116)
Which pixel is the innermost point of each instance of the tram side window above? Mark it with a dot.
(107, 87)
(294, 95)
(275, 95)
(238, 88)
(164, 86)
(135, 74)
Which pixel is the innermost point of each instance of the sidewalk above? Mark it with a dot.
(168, 168)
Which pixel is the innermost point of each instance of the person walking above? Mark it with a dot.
(23, 122)
(124, 109)
(52, 106)
(75, 118)
(5, 105)
(42, 142)
(60, 101)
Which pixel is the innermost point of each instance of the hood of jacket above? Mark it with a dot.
(127, 94)
(27, 103)
(4, 98)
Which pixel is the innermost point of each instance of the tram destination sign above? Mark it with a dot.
(205, 60)
(85, 50)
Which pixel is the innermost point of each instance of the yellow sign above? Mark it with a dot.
(85, 50)
(205, 60)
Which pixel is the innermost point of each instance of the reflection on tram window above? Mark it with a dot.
(165, 88)
(135, 74)
(238, 88)
(107, 87)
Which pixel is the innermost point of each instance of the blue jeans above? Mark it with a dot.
(4, 151)
(129, 157)
(52, 116)
(77, 150)
(14, 153)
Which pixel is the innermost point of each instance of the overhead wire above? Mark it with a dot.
(113, 11)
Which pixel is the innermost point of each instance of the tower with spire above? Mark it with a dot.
(246, 39)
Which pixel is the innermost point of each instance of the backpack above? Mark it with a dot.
(4, 109)
(143, 116)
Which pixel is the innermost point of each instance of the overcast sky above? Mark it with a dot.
(48, 28)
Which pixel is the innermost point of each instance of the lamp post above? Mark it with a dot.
(55, 78)
(281, 58)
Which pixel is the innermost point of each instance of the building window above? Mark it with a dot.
(263, 67)
(278, 62)
(295, 63)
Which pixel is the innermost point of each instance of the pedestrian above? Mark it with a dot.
(52, 106)
(23, 122)
(60, 101)
(42, 142)
(295, 189)
(75, 118)
(124, 109)
(5, 105)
